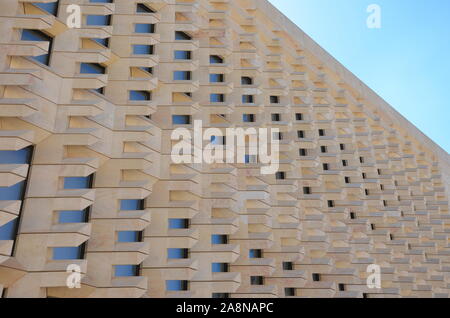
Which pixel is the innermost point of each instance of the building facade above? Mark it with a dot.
(92, 204)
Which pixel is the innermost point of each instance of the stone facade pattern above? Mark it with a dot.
(394, 212)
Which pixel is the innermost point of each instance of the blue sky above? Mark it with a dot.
(407, 61)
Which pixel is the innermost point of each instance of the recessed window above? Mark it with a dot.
(22, 156)
(330, 203)
(300, 134)
(104, 42)
(182, 36)
(219, 267)
(245, 80)
(92, 68)
(182, 55)
(144, 28)
(126, 270)
(344, 163)
(182, 75)
(142, 49)
(288, 266)
(247, 99)
(36, 35)
(255, 253)
(347, 180)
(66, 253)
(280, 175)
(278, 136)
(289, 292)
(303, 152)
(78, 182)
(78, 216)
(216, 78)
(323, 149)
(257, 280)
(306, 190)
(217, 98)
(140, 95)
(142, 8)
(321, 132)
(361, 159)
(326, 166)
(342, 146)
(178, 223)
(131, 205)
(341, 287)
(298, 116)
(250, 159)
(219, 239)
(8, 231)
(316, 277)
(364, 175)
(177, 285)
(248, 118)
(276, 117)
(51, 7)
(129, 236)
(178, 253)
(274, 99)
(215, 59)
(181, 119)
(352, 215)
(367, 191)
(98, 20)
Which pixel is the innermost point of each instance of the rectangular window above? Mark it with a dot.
(245, 80)
(66, 253)
(280, 175)
(326, 166)
(8, 231)
(92, 68)
(316, 277)
(347, 180)
(182, 36)
(132, 205)
(298, 116)
(247, 99)
(303, 152)
(256, 280)
(321, 132)
(126, 270)
(289, 292)
(142, 49)
(36, 35)
(274, 99)
(177, 285)
(104, 42)
(78, 182)
(248, 118)
(144, 28)
(323, 149)
(182, 75)
(51, 7)
(219, 239)
(81, 216)
(216, 78)
(276, 117)
(98, 20)
(178, 223)
(129, 236)
(177, 253)
(215, 59)
(300, 134)
(181, 120)
(143, 8)
(217, 98)
(288, 266)
(182, 55)
(219, 267)
(342, 146)
(255, 253)
(330, 203)
(344, 163)
(140, 95)
(306, 190)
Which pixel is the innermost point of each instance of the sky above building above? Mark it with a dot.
(406, 61)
